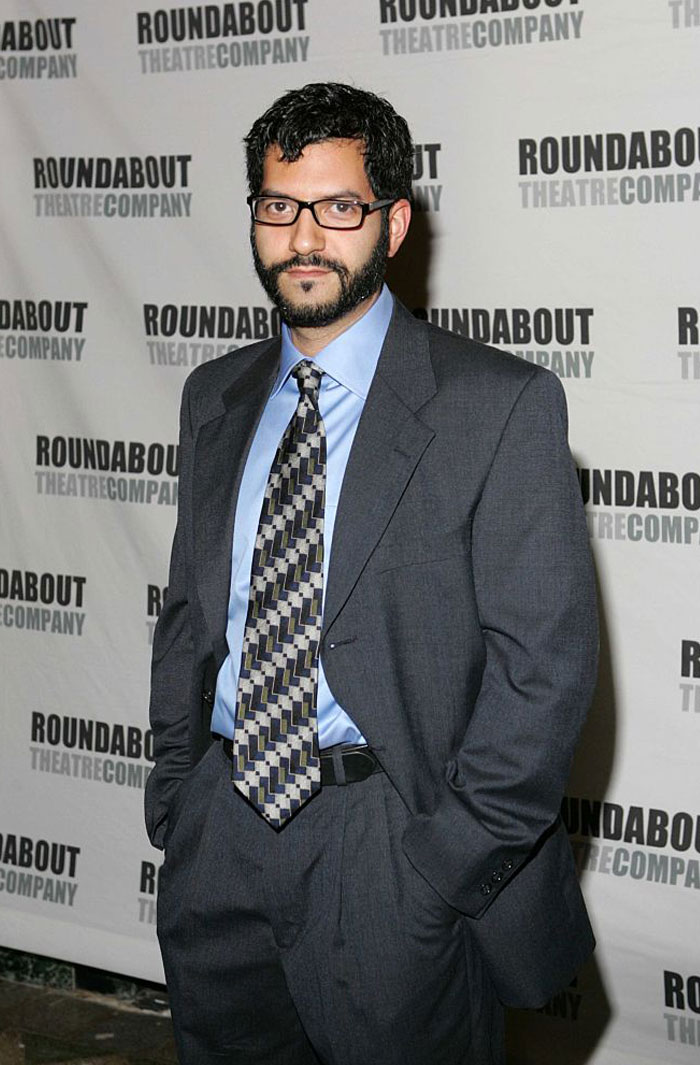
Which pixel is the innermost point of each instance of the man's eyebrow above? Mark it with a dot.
(343, 194)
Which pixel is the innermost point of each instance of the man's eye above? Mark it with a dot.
(274, 210)
(340, 213)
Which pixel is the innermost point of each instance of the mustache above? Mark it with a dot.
(317, 261)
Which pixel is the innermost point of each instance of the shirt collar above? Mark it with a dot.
(352, 357)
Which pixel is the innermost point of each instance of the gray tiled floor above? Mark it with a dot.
(43, 1026)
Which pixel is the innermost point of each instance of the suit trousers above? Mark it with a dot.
(316, 944)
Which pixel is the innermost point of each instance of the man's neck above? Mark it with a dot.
(311, 341)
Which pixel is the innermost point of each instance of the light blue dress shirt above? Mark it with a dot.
(348, 363)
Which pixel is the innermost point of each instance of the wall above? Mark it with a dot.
(558, 176)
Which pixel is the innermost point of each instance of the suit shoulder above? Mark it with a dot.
(219, 373)
(205, 386)
(451, 351)
(458, 360)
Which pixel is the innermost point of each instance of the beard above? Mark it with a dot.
(354, 287)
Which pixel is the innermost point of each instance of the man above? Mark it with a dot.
(376, 651)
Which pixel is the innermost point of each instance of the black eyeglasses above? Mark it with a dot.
(330, 214)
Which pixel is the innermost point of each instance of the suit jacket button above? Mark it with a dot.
(208, 695)
(485, 889)
(497, 877)
(508, 864)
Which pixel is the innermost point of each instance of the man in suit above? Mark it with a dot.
(376, 651)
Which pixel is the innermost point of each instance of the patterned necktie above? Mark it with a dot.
(276, 764)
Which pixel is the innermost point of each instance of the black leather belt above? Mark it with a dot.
(342, 764)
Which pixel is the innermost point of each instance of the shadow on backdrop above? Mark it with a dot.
(407, 274)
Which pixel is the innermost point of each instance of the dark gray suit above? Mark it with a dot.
(459, 634)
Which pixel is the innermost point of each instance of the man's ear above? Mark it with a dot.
(399, 221)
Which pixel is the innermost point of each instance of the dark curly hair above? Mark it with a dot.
(323, 111)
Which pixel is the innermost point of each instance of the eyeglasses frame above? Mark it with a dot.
(367, 208)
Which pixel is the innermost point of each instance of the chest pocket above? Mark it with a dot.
(394, 553)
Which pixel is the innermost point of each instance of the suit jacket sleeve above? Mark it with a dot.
(536, 601)
(171, 669)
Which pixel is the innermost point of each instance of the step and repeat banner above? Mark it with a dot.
(557, 195)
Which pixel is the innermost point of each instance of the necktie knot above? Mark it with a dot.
(308, 377)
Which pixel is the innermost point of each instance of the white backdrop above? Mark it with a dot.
(558, 169)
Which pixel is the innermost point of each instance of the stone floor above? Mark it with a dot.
(46, 1026)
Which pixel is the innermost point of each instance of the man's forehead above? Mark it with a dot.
(333, 162)
(335, 149)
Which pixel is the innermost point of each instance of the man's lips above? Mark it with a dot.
(306, 272)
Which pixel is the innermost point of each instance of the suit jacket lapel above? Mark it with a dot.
(221, 450)
(388, 444)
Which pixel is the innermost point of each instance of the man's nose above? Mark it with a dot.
(306, 235)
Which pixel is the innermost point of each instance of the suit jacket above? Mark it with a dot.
(459, 628)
